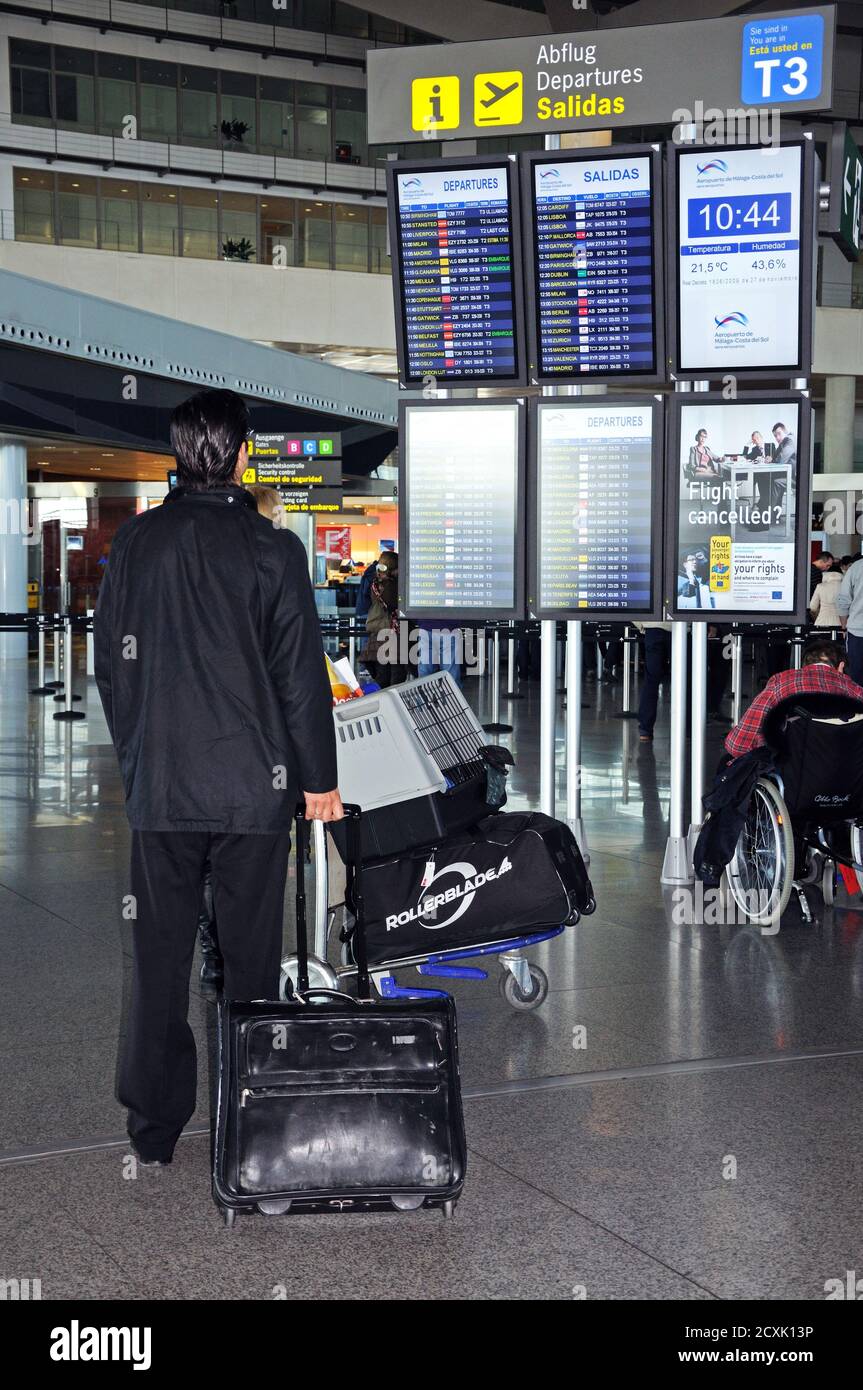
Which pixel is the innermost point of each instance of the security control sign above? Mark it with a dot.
(741, 279)
(294, 460)
(738, 496)
(602, 77)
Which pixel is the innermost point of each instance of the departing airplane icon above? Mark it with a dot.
(498, 92)
(497, 98)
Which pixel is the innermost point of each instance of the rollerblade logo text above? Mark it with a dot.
(460, 895)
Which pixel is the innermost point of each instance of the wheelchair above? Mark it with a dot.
(805, 818)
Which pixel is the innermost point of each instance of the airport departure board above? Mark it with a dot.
(597, 294)
(457, 256)
(595, 490)
(460, 489)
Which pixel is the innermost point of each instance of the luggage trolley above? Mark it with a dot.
(412, 756)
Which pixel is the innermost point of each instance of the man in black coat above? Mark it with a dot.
(212, 677)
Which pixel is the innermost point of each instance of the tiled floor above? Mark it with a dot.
(663, 1182)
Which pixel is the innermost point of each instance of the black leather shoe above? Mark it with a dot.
(212, 966)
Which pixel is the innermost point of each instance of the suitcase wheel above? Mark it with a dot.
(590, 906)
(407, 1203)
(229, 1216)
(516, 997)
(448, 1210)
(274, 1208)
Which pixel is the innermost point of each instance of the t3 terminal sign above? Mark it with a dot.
(602, 77)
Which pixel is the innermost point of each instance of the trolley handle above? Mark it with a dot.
(353, 815)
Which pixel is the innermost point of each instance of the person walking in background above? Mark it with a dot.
(657, 667)
(439, 649)
(210, 669)
(823, 603)
(849, 605)
(382, 623)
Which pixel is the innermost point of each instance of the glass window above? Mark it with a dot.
(160, 220)
(352, 237)
(239, 227)
(75, 87)
(278, 231)
(238, 110)
(200, 223)
(348, 20)
(158, 100)
(200, 106)
(313, 121)
(349, 123)
(380, 261)
(277, 115)
(31, 80)
(314, 228)
(34, 205)
(77, 210)
(117, 92)
(119, 229)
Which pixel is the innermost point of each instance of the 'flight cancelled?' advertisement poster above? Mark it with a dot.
(736, 542)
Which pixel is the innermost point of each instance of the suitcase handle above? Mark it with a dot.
(353, 814)
(308, 994)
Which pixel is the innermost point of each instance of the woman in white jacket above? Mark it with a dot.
(822, 604)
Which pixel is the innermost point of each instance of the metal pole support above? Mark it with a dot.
(42, 688)
(547, 716)
(511, 692)
(68, 712)
(676, 866)
(495, 727)
(698, 727)
(574, 676)
(736, 677)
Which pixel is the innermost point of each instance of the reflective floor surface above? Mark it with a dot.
(680, 1119)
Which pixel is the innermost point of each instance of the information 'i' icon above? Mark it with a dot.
(435, 103)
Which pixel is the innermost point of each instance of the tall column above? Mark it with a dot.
(13, 541)
(838, 451)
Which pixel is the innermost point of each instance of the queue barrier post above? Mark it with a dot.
(41, 688)
(68, 712)
(496, 727)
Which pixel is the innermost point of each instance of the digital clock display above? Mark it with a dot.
(739, 220)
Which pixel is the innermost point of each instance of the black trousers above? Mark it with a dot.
(157, 1078)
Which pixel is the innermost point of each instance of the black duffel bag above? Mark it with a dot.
(513, 874)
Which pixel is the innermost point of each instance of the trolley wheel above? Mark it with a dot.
(515, 996)
(589, 907)
(229, 1216)
(321, 975)
(829, 884)
(760, 874)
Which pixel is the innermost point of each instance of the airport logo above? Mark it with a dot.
(718, 166)
(461, 895)
(738, 317)
(549, 174)
(411, 184)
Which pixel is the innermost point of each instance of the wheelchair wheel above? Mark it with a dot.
(761, 872)
(857, 852)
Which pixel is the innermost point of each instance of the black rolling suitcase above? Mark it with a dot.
(513, 874)
(333, 1104)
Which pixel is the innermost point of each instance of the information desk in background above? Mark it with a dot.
(595, 503)
(456, 249)
(593, 230)
(461, 489)
(741, 278)
(738, 495)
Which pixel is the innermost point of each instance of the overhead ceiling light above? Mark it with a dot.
(25, 178)
(107, 456)
(95, 470)
(76, 185)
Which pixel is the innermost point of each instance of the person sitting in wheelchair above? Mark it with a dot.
(822, 673)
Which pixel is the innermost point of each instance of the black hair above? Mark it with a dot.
(823, 649)
(825, 555)
(207, 432)
(699, 433)
(779, 426)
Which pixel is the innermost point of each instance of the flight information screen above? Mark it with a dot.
(741, 215)
(595, 267)
(595, 529)
(456, 256)
(460, 485)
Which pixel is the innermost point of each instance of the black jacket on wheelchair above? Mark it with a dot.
(820, 762)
